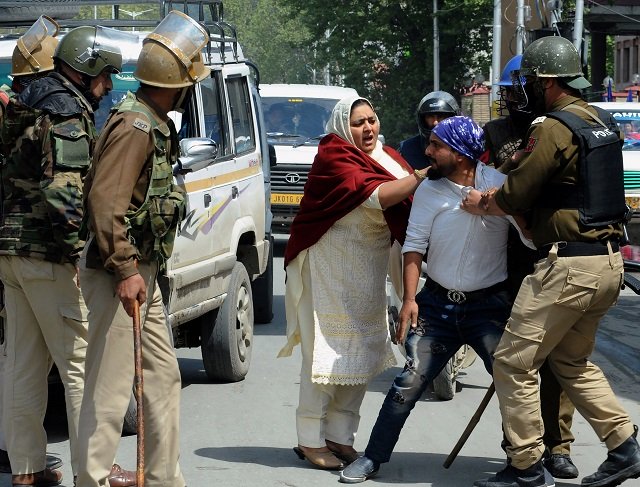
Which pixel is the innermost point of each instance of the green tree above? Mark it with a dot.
(384, 49)
(273, 36)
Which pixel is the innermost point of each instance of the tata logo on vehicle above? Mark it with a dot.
(292, 178)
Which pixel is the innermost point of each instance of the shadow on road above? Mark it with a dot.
(405, 467)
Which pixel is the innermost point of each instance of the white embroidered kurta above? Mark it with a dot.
(348, 268)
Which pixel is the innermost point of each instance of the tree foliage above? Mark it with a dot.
(384, 49)
(273, 36)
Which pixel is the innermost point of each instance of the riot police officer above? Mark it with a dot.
(133, 209)
(48, 132)
(503, 136)
(433, 107)
(32, 58)
(571, 179)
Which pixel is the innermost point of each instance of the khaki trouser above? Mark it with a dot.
(109, 381)
(556, 316)
(557, 413)
(46, 319)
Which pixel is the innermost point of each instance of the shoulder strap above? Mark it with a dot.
(584, 110)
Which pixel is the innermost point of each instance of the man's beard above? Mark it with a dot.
(434, 174)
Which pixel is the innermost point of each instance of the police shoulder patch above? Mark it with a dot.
(539, 120)
(142, 125)
(531, 144)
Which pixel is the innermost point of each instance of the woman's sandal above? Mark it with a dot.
(349, 456)
(325, 460)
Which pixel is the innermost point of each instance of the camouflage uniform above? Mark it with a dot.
(47, 135)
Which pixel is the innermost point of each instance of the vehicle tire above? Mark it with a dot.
(444, 385)
(262, 289)
(130, 425)
(59, 9)
(227, 333)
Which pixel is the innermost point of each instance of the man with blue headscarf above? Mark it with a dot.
(464, 300)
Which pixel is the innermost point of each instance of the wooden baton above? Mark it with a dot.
(472, 424)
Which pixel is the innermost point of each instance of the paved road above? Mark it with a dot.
(241, 434)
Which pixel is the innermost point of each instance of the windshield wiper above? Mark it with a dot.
(307, 140)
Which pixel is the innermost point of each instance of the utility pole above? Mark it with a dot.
(520, 27)
(436, 48)
(578, 26)
(495, 58)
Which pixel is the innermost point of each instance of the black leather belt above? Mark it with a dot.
(575, 249)
(460, 297)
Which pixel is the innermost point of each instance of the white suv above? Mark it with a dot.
(295, 117)
(219, 279)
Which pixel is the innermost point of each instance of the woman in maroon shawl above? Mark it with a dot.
(356, 203)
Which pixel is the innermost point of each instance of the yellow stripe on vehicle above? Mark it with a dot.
(222, 179)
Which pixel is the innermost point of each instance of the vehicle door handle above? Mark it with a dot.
(207, 200)
(234, 191)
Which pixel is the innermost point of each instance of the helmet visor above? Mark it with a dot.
(32, 39)
(116, 42)
(518, 96)
(43, 27)
(183, 36)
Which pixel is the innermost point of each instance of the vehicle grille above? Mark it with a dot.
(279, 173)
(632, 180)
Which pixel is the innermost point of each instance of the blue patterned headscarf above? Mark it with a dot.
(462, 134)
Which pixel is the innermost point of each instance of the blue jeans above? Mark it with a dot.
(443, 327)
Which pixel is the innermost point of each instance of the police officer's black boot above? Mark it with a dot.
(534, 476)
(622, 463)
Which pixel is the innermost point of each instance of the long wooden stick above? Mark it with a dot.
(139, 387)
(472, 424)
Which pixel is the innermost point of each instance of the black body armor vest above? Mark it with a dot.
(599, 194)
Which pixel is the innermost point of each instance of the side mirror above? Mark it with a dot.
(195, 153)
(273, 159)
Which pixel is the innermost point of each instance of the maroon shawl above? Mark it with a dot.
(341, 178)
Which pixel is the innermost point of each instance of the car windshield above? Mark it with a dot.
(290, 120)
(629, 123)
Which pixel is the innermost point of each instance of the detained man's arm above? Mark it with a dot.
(409, 311)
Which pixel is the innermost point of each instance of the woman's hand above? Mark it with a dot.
(408, 317)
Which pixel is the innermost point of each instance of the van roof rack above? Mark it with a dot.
(208, 13)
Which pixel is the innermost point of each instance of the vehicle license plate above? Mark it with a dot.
(285, 199)
(632, 201)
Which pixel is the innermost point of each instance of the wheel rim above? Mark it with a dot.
(244, 326)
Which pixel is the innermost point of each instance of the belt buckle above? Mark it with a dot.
(457, 297)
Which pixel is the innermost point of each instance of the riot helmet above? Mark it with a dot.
(171, 55)
(436, 102)
(548, 57)
(554, 57)
(91, 50)
(508, 101)
(34, 50)
(512, 65)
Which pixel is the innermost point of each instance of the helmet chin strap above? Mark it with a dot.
(181, 97)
